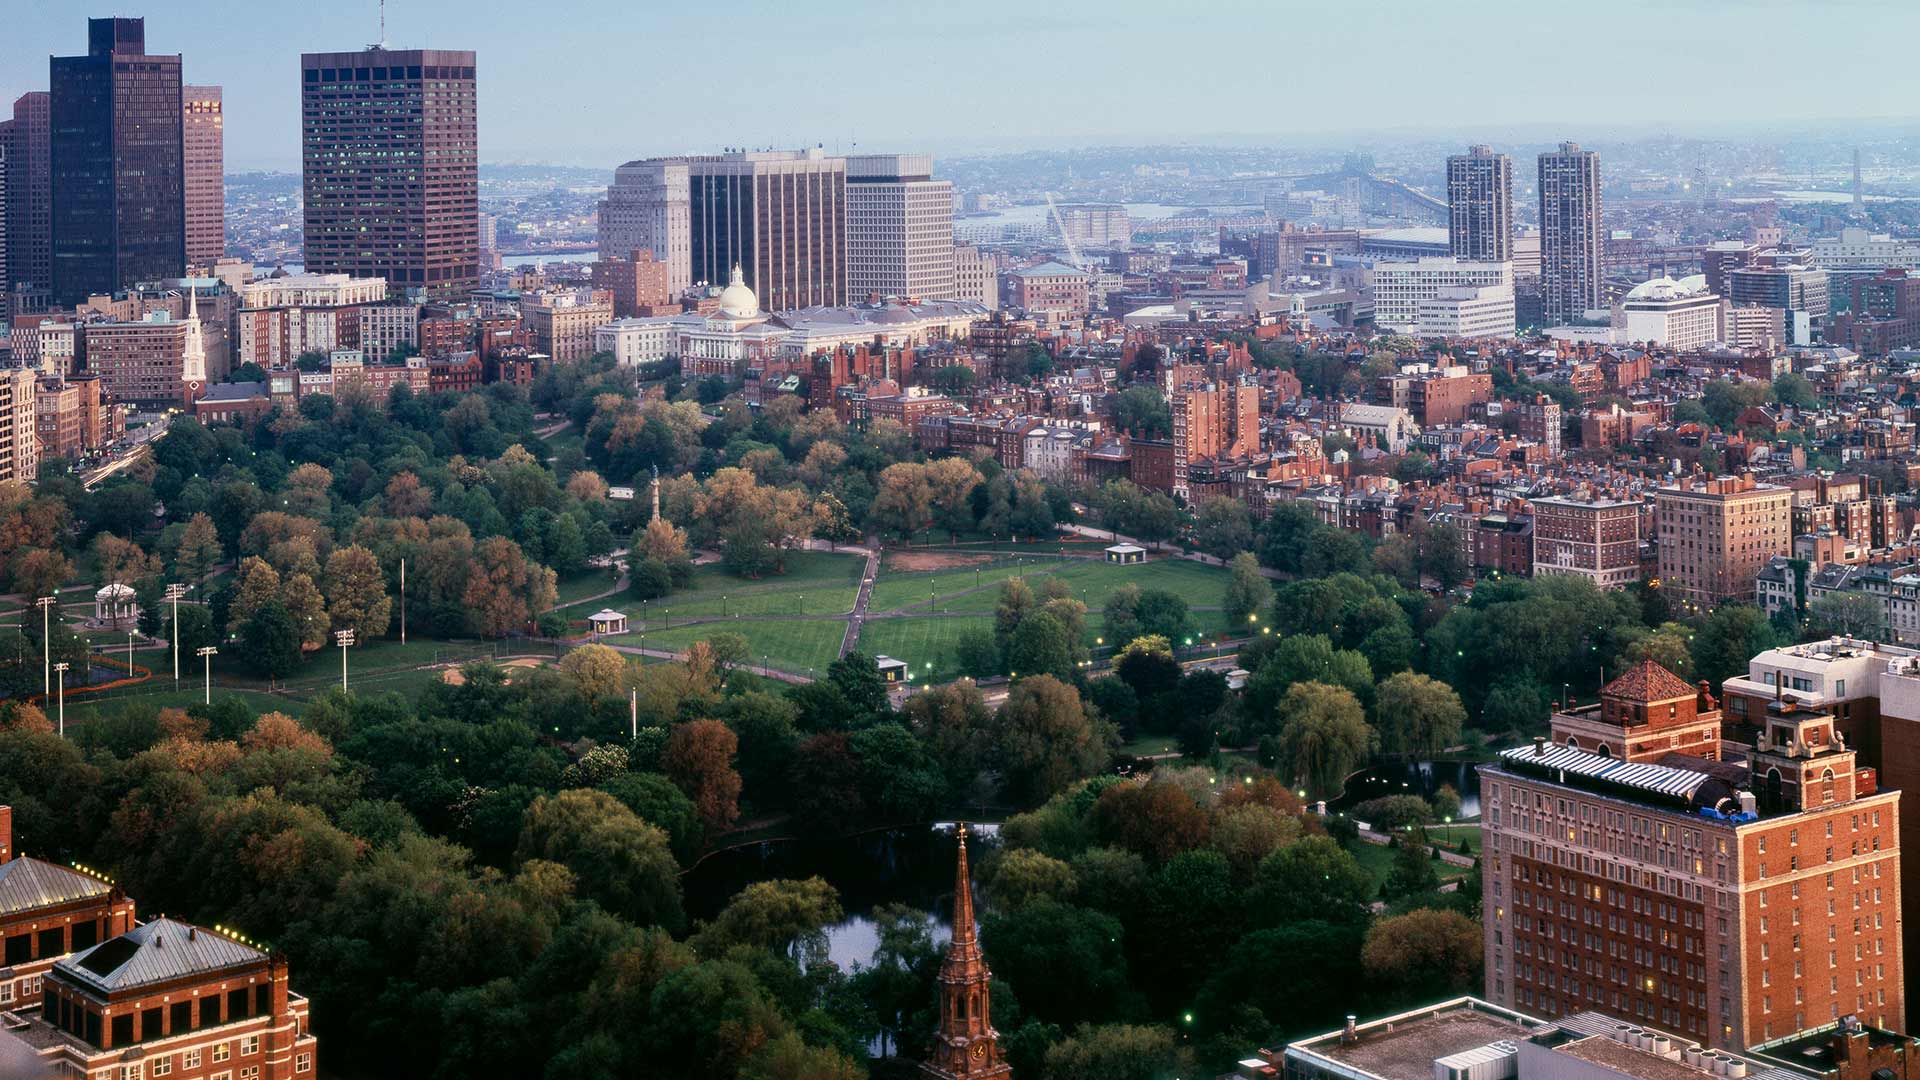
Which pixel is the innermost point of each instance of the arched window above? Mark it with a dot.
(1573, 742)
(1604, 750)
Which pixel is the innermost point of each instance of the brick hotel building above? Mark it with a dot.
(90, 992)
(1638, 865)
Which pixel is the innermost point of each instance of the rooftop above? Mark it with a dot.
(155, 952)
(1648, 681)
(1639, 780)
(27, 884)
(1404, 1047)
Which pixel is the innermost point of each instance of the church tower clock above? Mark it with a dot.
(966, 1047)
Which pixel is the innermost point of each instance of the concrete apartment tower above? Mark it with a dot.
(1480, 205)
(646, 210)
(899, 228)
(1571, 243)
(391, 160)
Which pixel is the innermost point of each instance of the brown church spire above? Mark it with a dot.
(966, 1047)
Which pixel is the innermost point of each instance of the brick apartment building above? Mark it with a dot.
(1598, 539)
(1716, 535)
(562, 324)
(1052, 290)
(1731, 893)
(639, 285)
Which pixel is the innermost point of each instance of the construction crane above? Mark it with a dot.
(1073, 250)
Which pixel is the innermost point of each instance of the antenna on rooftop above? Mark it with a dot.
(381, 43)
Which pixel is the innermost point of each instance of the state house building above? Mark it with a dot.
(1639, 865)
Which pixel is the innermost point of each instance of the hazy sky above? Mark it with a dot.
(595, 82)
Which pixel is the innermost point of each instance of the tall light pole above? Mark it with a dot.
(403, 601)
(174, 593)
(206, 655)
(345, 638)
(46, 605)
(61, 667)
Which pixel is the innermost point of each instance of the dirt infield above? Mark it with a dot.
(920, 561)
(452, 676)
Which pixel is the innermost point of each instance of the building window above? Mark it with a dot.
(249, 1045)
(163, 1066)
(221, 1052)
(190, 1059)
(302, 1063)
(250, 1072)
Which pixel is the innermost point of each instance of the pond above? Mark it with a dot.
(1421, 778)
(912, 866)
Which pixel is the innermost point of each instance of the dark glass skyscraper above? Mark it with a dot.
(390, 151)
(116, 163)
(1480, 205)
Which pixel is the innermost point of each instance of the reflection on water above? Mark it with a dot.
(1421, 778)
(911, 866)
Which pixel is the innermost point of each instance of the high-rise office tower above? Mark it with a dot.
(118, 199)
(646, 210)
(204, 137)
(29, 208)
(899, 228)
(1480, 205)
(778, 215)
(29, 213)
(390, 153)
(1571, 243)
(6, 140)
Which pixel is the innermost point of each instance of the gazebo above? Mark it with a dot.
(1126, 553)
(891, 670)
(608, 621)
(113, 607)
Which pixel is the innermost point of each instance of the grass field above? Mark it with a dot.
(816, 583)
(786, 644)
(84, 712)
(1377, 860)
(920, 642)
(1093, 582)
(576, 589)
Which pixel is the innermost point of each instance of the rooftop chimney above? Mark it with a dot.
(1349, 1033)
(1539, 746)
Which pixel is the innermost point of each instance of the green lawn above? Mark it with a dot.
(920, 642)
(322, 669)
(909, 590)
(1377, 860)
(1092, 582)
(576, 589)
(786, 644)
(816, 583)
(80, 712)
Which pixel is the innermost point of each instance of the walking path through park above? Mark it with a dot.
(867, 577)
(1178, 552)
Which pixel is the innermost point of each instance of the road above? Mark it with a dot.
(852, 636)
(140, 443)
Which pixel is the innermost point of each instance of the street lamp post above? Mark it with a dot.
(46, 605)
(174, 593)
(61, 667)
(206, 655)
(403, 601)
(345, 638)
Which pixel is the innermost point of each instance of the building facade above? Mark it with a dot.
(19, 424)
(29, 209)
(117, 167)
(1480, 205)
(563, 323)
(1572, 243)
(1681, 315)
(1399, 288)
(781, 216)
(1715, 536)
(1598, 539)
(975, 276)
(899, 228)
(1730, 900)
(1467, 312)
(203, 119)
(1052, 289)
(646, 209)
(390, 164)
(47, 912)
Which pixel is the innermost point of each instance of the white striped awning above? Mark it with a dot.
(1645, 775)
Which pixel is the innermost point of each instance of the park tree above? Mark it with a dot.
(1668, 645)
(199, 549)
(1066, 964)
(1142, 411)
(1022, 876)
(302, 599)
(1323, 735)
(1164, 612)
(1155, 821)
(597, 670)
(1313, 878)
(306, 490)
(1223, 527)
(1248, 591)
(1424, 954)
(785, 916)
(1416, 716)
(1412, 873)
(1846, 614)
(356, 591)
(405, 496)
(1248, 834)
(270, 641)
(1048, 738)
(699, 759)
(1733, 634)
(1041, 645)
(504, 589)
(956, 726)
(1119, 1052)
(38, 572)
(620, 861)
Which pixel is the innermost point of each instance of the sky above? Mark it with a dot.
(597, 82)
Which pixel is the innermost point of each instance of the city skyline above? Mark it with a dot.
(539, 103)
